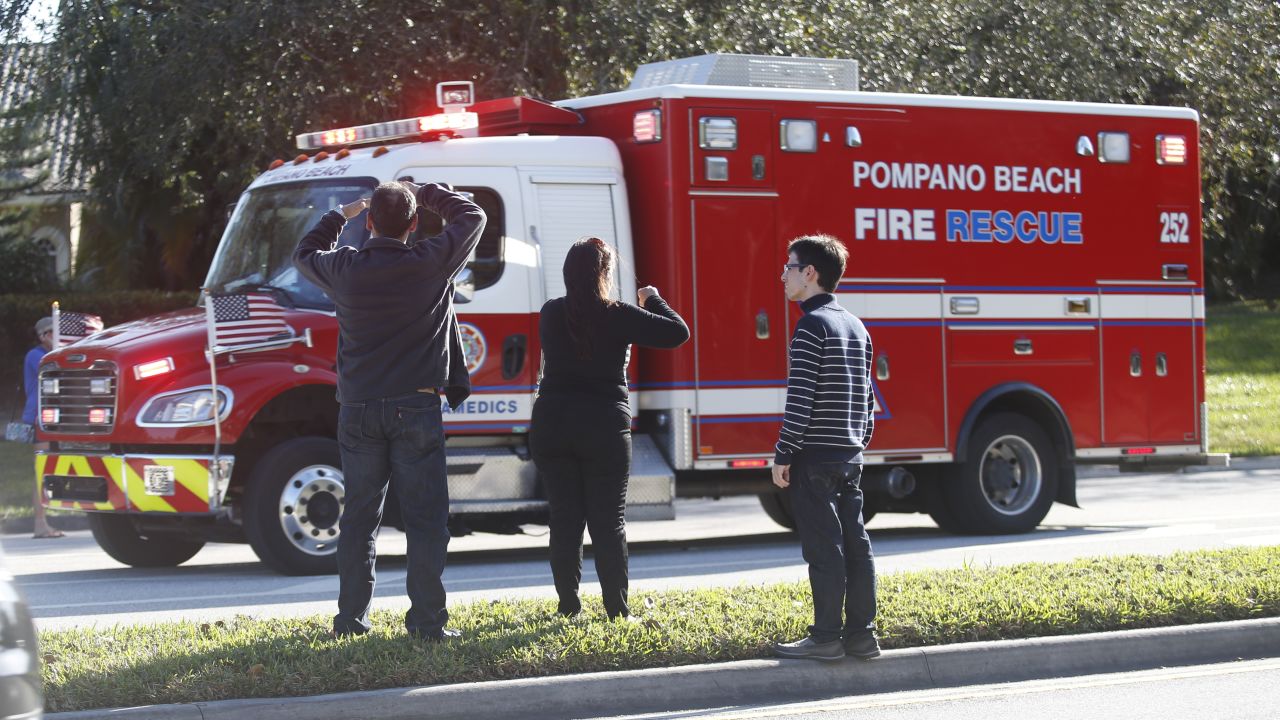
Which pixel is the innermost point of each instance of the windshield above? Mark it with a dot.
(257, 249)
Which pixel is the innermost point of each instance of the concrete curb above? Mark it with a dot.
(756, 681)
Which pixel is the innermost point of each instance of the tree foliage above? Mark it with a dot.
(183, 102)
(23, 265)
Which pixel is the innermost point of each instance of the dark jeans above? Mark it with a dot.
(397, 441)
(582, 447)
(827, 502)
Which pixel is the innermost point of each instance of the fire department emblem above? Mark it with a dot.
(473, 346)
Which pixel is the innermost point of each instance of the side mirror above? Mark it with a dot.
(464, 287)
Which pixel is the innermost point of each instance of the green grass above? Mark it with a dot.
(243, 658)
(17, 476)
(1243, 378)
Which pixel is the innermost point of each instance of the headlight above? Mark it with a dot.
(193, 406)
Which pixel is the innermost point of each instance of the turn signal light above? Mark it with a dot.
(153, 368)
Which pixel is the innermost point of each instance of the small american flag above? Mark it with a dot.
(73, 326)
(246, 319)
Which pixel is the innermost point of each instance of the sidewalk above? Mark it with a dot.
(755, 681)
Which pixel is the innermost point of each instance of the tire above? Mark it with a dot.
(777, 505)
(292, 506)
(1007, 484)
(120, 538)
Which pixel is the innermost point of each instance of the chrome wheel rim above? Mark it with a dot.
(310, 505)
(1011, 475)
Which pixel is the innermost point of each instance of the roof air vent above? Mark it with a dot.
(762, 71)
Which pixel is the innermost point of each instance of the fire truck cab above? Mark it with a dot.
(1030, 271)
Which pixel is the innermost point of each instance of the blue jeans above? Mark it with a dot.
(397, 441)
(827, 501)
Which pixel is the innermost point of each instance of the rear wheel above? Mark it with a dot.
(1007, 483)
(777, 505)
(292, 506)
(123, 541)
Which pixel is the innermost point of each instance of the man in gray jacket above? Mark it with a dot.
(398, 348)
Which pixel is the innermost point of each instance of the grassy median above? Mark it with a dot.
(240, 658)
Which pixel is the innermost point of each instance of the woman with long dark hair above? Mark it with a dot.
(581, 436)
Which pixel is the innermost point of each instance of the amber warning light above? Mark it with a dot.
(454, 124)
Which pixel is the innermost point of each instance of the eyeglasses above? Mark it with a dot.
(797, 266)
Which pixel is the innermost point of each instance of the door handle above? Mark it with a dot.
(513, 352)
(762, 325)
(1135, 363)
(882, 367)
(1022, 346)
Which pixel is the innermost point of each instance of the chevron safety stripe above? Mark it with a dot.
(179, 484)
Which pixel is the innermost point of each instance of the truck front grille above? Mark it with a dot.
(82, 400)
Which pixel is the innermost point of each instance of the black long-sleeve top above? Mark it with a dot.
(397, 332)
(604, 374)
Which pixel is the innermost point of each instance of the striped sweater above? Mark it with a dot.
(829, 416)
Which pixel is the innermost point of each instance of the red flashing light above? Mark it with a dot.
(454, 124)
(99, 416)
(48, 416)
(646, 126)
(1171, 150)
(749, 463)
(1139, 451)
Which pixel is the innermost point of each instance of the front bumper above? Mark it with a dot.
(133, 483)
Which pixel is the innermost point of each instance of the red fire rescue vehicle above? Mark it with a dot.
(1030, 272)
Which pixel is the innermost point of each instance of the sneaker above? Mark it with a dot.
(863, 647)
(808, 649)
(439, 636)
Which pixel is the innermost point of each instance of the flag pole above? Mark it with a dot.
(215, 467)
(57, 334)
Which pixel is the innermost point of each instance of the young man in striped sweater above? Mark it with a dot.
(827, 424)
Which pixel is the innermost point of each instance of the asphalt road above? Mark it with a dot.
(1207, 692)
(70, 582)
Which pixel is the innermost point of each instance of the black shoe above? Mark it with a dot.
(863, 646)
(438, 636)
(335, 633)
(807, 649)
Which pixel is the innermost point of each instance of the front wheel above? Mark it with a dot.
(122, 540)
(294, 500)
(1007, 483)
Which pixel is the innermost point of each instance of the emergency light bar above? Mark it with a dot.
(459, 124)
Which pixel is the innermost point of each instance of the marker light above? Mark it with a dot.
(457, 123)
(748, 463)
(1138, 451)
(153, 368)
(646, 126)
(1171, 150)
(799, 135)
(48, 416)
(717, 133)
(99, 416)
(1114, 147)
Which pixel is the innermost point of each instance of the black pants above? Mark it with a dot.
(827, 501)
(582, 447)
(396, 442)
